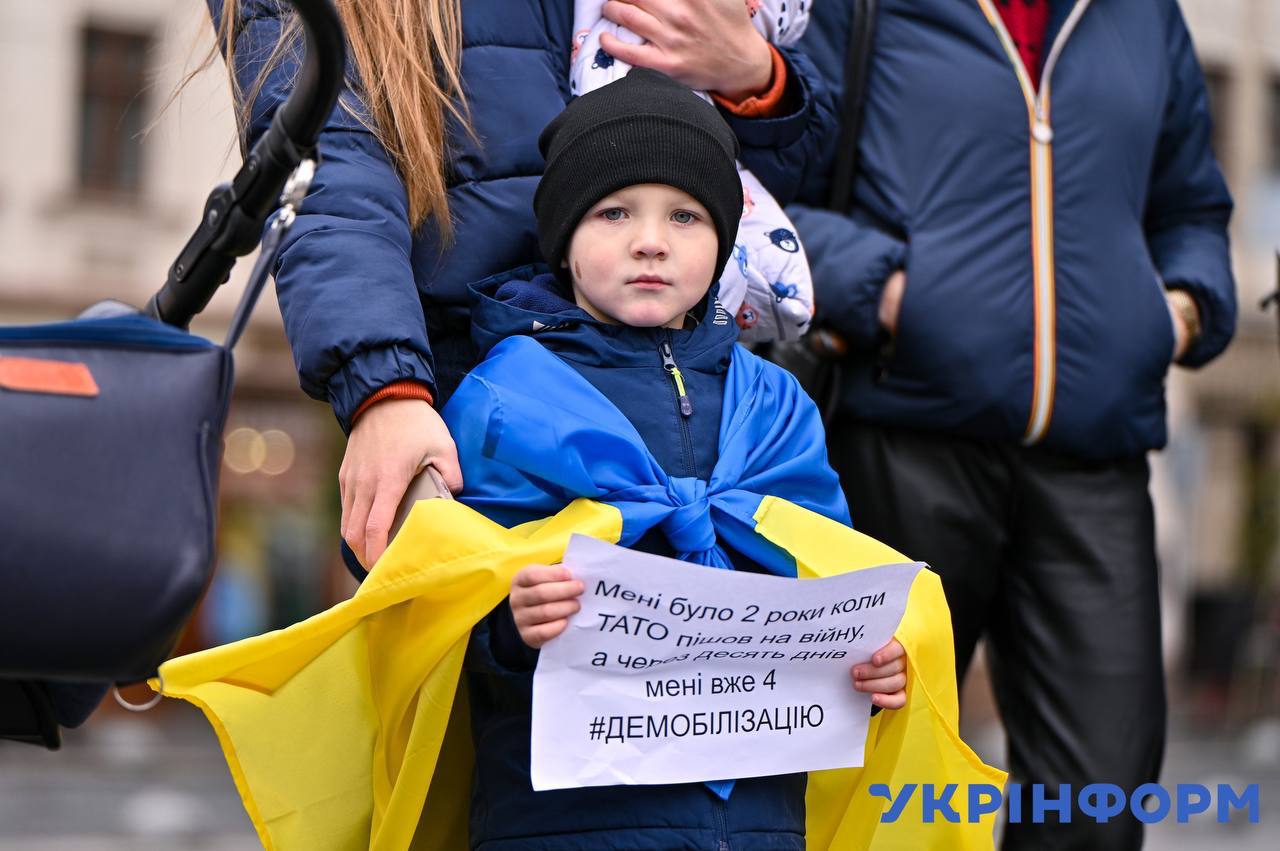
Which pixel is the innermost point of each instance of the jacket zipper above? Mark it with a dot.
(722, 825)
(683, 404)
(1041, 212)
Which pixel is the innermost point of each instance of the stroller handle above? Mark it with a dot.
(235, 212)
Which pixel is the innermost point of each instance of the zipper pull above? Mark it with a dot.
(669, 364)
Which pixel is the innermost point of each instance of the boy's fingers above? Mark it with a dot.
(897, 700)
(536, 636)
(885, 685)
(862, 672)
(546, 592)
(892, 650)
(546, 613)
(536, 574)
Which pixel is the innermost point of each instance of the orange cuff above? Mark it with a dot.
(404, 389)
(765, 104)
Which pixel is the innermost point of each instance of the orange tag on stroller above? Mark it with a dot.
(63, 378)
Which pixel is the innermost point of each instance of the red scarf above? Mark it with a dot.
(1027, 22)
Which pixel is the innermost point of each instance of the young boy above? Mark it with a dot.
(616, 377)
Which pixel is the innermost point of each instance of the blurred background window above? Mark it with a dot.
(1217, 83)
(114, 64)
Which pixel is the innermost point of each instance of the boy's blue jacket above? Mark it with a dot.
(1127, 196)
(366, 300)
(564, 407)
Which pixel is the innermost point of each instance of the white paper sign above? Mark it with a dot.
(675, 673)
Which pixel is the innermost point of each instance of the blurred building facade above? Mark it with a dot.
(1239, 395)
(91, 206)
(1218, 484)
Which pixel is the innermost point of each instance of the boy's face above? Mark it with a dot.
(642, 256)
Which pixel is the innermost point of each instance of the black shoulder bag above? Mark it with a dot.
(815, 358)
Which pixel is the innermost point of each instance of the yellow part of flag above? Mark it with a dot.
(350, 729)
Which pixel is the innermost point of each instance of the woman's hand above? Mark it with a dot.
(390, 443)
(891, 301)
(705, 44)
(1183, 332)
(885, 676)
(542, 599)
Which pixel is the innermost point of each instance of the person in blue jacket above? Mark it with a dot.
(428, 168)
(616, 377)
(1038, 231)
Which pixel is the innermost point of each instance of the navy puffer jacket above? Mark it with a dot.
(362, 295)
(1037, 248)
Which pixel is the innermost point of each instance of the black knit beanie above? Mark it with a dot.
(643, 128)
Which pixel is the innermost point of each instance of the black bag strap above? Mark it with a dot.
(27, 714)
(295, 191)
(857, 64)
(258, 278)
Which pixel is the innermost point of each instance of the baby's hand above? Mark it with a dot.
(542, 599)
(885, 676)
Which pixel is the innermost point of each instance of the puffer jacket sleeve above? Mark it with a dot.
(496, 646)
(779, 151)
(850, 259)
(344, 280)
(1188, 205)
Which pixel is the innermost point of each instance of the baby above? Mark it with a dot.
(767, 286)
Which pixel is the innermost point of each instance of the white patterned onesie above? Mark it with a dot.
(766, 283)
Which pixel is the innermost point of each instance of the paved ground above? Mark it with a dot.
(159, 783)
(122, 782)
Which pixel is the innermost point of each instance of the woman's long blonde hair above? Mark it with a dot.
(407, 55)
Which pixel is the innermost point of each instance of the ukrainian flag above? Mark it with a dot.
(349, 730)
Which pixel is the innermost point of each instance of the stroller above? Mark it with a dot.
(111, 440)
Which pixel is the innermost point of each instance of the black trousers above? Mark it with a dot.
(1053, 560)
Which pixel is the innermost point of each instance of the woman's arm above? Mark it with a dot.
(851, 260)
(346, 288)
(1189, 206)
(347, 292)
